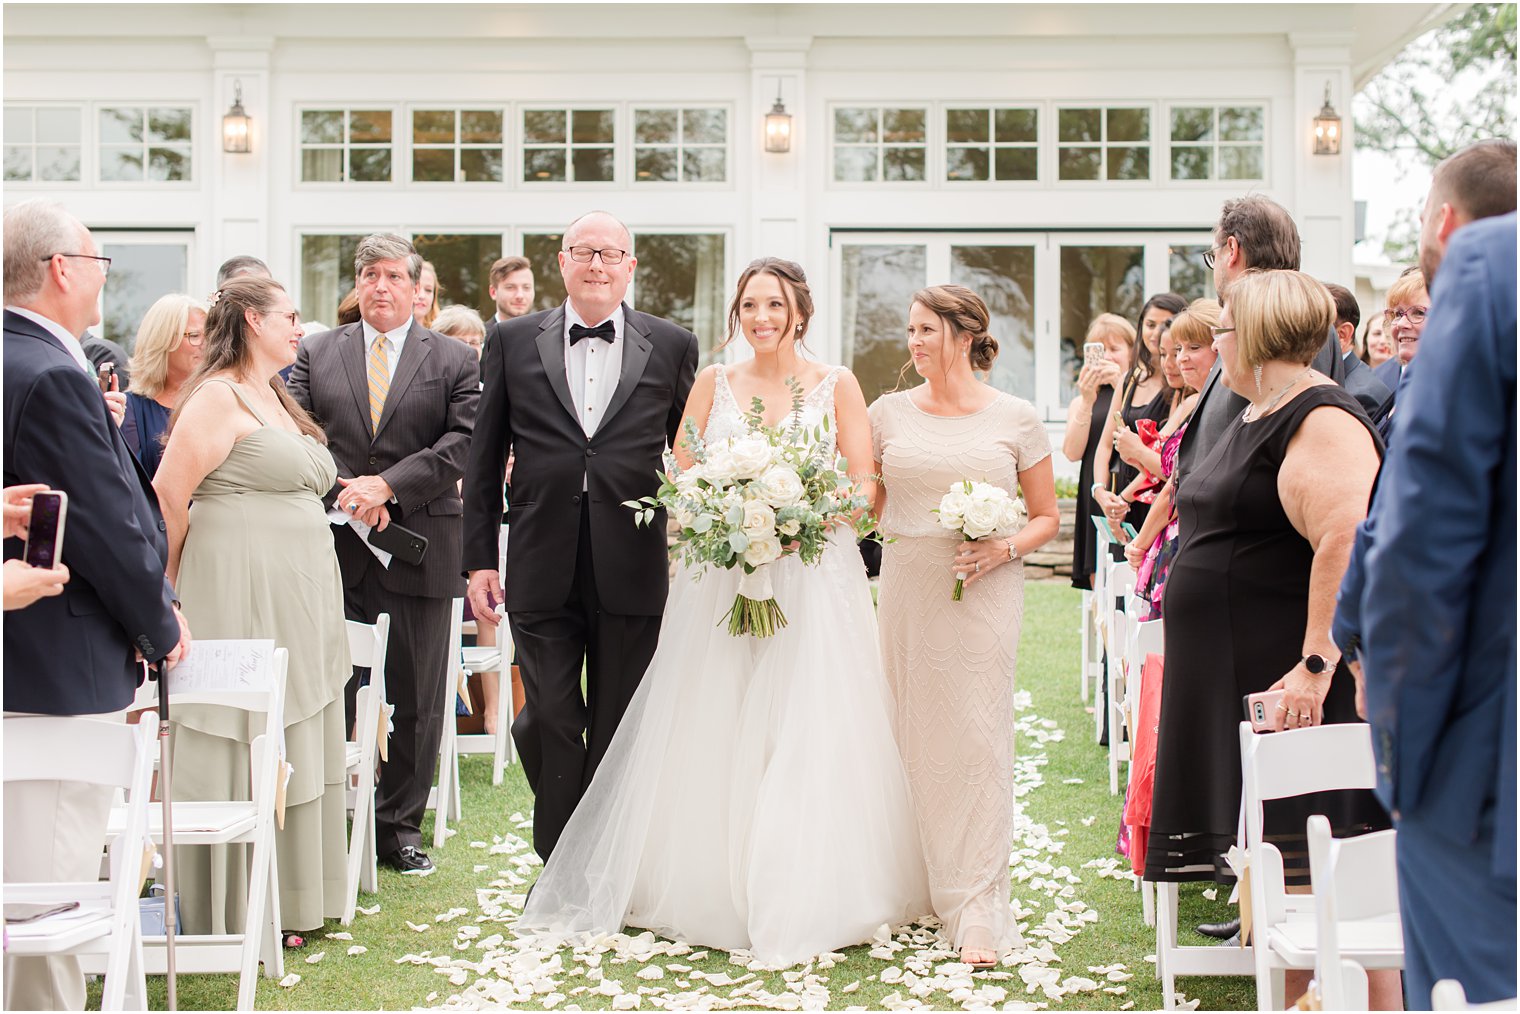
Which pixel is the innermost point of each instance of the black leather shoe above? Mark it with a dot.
(1219, 930)
(409, 860)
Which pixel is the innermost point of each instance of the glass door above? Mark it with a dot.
(144, 266)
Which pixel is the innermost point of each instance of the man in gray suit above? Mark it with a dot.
(1254, 232)
(1375, 397)
(398, 404)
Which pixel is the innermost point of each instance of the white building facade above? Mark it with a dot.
(1063, 160)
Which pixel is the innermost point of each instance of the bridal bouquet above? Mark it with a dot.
(977, 510)
(749, 500)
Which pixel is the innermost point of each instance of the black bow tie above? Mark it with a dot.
(606, 331)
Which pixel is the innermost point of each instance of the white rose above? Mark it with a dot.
(718, 469)
(685, 516)
(780, 486)
(759, 520)
(762, 551)
(952, 507)
(790, 528)
(686, 481)
(1013, 513)
(750, 455)
(981, 518)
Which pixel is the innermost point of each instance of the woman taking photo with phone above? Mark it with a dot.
(1105, 361)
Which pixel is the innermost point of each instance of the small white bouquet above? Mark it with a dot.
(749, 500)
(977, 510)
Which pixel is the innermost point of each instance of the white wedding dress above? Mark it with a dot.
(753, 797)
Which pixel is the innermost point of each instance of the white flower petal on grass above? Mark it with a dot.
(356, 950)
(1211, 893)
(416, 928)
(370, 910)
(290, 980)
(312, 959)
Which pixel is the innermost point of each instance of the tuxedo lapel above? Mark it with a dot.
(415, 350)
(551, 350)
(351, 352)
(636, 350)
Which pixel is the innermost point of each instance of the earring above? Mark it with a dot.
(1256, 373)
(799, 327)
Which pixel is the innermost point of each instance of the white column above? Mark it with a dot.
(239, 222)
(1322, 201)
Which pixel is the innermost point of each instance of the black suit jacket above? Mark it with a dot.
(419, 448)
(1364, 385)
(74, 654)
(1389, 372)
(526, 405)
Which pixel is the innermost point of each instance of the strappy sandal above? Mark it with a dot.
(292, 941)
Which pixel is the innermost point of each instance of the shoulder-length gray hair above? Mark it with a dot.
(159, 334)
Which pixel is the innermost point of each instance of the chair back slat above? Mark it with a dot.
(88, 750)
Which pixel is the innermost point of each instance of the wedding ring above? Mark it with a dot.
(1292, 714)
(979, 567)
(1282, 707)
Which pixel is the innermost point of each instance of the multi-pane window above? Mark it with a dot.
(327, 275)
(462, 262)
(145, 143)
(992, 144)
(568, 145)
(346, 145)
(1218, 142)
(42, 143)
(457, 145)
(875, 143)
(1104, 143)
(680, 145)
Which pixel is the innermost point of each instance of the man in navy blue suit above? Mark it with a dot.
(75, 653)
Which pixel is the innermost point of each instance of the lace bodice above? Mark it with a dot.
(726, 419)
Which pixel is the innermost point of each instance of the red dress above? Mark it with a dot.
(1142, 765)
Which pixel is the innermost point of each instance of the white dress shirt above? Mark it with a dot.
(593, 368)
(394, 341)
(57, 330)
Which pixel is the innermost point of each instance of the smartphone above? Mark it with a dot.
(1093, 353)
(1261, 709)
(106, 373)
(44, 532)
(402, 543)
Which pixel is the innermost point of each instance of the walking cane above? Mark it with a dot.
(166, 791)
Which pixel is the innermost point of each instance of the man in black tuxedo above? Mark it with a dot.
(75, 653)
(397, 402)
(1375, 397)
(589, 394)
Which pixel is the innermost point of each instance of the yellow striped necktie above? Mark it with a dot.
(379, 380)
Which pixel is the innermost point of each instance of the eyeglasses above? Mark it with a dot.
(583, 255)
(1220, 332)
(105, 262)
(195, 338)
(294, 316)
(1208, 256)
(1414, 314)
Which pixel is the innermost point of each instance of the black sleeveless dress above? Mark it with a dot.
(1237, 600)
(1083, 539)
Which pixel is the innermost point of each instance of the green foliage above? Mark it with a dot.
(1450, 87)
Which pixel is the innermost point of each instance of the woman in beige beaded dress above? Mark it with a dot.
(950, 664)
(253, 558)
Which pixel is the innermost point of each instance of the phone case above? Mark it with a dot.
(1261, 709)
(402, 543)
(50, 552)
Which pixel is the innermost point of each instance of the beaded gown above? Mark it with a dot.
(951, 664)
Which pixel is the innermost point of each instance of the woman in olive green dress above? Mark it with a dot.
(253, 557)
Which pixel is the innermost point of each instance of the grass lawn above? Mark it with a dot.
(1071, 821)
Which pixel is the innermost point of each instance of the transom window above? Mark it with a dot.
(346, 145)
(1104, 143)
(145, 143)
(992, 144)
(1218, 142)
(42, 143)
(680, 145)
(879, 143)
(568, 145)
(457, 145)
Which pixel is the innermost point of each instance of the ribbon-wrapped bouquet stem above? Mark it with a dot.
(749, 500)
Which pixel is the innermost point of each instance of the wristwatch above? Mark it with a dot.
(1013, 551)
(1317, 665)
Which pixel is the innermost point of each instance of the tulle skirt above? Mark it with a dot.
(753, 797)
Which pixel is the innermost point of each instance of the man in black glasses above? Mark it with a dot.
(589, 394)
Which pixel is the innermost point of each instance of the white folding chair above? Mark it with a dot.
(1102, 566)
(232, 822)
(1280, 765)
(1356, 913)
(367, 645)
(1448, 994)
(485, 659)
(1087, 629)
(106, 924)
(1121, 588)
(443, 798)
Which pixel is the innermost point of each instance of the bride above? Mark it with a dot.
(753, 797)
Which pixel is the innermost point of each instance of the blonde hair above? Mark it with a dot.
(158, 336)
(1111, 323)
(1196, 324)
(432, 311)
(1280, 315)
(1406, 288)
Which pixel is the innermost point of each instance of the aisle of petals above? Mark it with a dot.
(487, 966)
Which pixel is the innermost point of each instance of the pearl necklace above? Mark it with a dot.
(1276, 397)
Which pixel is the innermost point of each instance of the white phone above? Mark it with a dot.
(1093, 353)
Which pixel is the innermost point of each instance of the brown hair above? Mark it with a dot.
(348, 308)
(794, 290)
(227, 349)
(1280, 315)
(1346, 308)
(965, 314)
(1266, 233)
(1478, 181)
(506, 266)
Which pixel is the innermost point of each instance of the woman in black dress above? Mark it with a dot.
(1095, 393)
(1275, 501)
(1144, 396)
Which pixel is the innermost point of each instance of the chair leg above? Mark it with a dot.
(370, 867)
(1148, 903)
(1166, 941)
